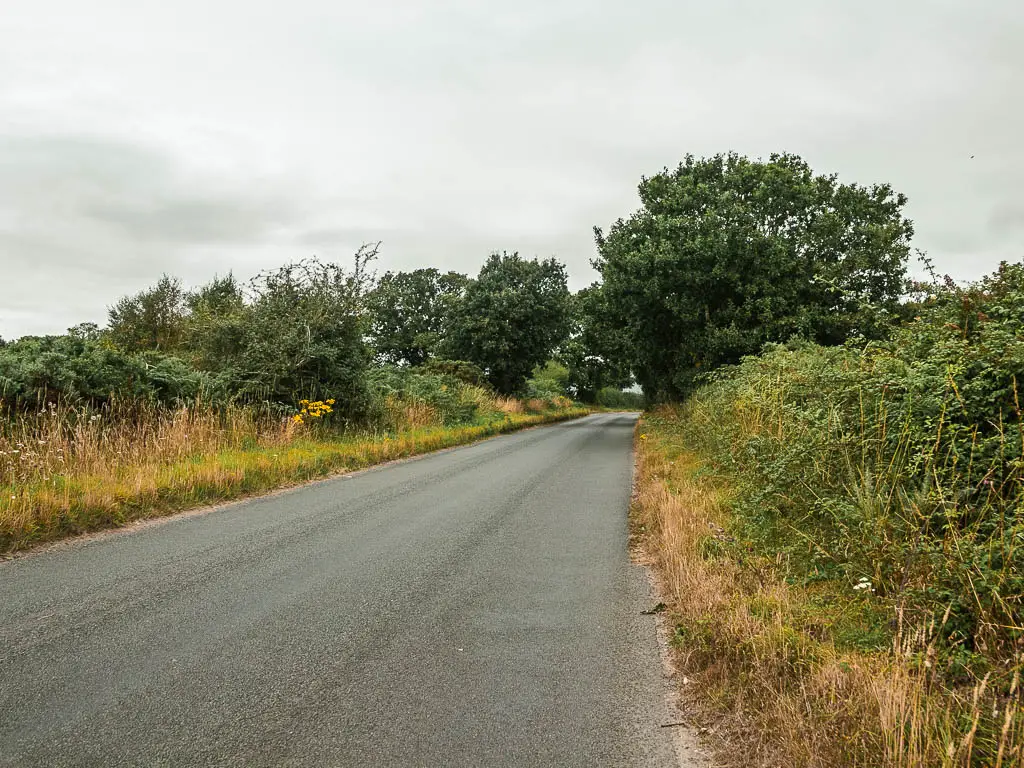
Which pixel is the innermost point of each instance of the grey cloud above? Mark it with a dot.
(134, 190)
(145, 138)
(192, 220)
(84, 219)
(1008, 220)
(335, 238)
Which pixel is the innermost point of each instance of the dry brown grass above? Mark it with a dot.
(402, 415)
(768, 677)
(47, 446)
(65, 472)
(508, 405)
(480, 397)
(536, 405)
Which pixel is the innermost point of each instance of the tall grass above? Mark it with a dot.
(844, 564)
(67, 470)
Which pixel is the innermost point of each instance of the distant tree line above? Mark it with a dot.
(724, 255)
(314, 330)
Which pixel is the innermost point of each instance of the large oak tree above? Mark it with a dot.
(410, 313)
(728, 253)
(512, 317)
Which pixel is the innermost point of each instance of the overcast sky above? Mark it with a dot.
(196, 137)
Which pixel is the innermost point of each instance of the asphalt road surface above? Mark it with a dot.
(472, 607)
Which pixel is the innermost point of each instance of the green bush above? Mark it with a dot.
(610, 397)
(543, 389)
(549, 381)
(898, 462)
(76, 370)
(443, 393)
(303, 337)
(295, 332)
(460, 369)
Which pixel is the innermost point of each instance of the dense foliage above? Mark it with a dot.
(303, 335)
(595, 354)
(310, 331)
(152, 319)
(449, 399)
(292, 333)
(613, 397)
(728, 253)
(896, 464)
(548, 381)
(513, 316)
(410, 313)
(37, 370)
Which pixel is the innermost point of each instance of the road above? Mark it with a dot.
(471, 607)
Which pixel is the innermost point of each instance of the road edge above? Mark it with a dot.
(144, 523)
(690, 750)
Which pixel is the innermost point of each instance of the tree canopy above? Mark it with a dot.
(595, 353)
(304, 333)
(297, 331)
(728, 253)
(724, 255)
(152, 319)
(410, 313)
(512, 317)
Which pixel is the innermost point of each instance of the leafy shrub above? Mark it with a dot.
(543, 389)
(36, 370)
(294, 332)
(174, 381)
(549, 381)
(611, 397)
(443, 394)
(303, 336)
(463, 371)
(897, 464)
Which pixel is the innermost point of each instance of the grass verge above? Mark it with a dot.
(193, 463)
(796, 671)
